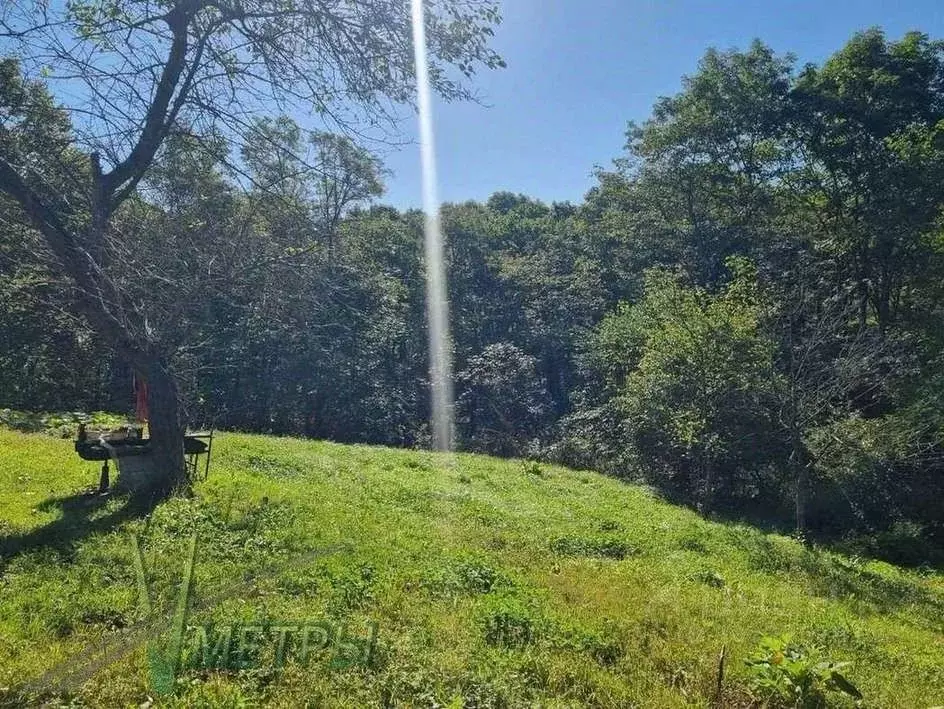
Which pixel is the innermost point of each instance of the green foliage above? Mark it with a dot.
(744, 313)
(601, 545)
(58, 424)
(503, 404)
(533, 468)
(868, 117)
(470, 573)
(362, 534)
(888, 472)
(697, 402)
(506, 622)
(784, 674)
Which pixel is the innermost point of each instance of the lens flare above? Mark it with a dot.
(437, 304)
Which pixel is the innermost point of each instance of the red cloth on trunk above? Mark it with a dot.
(140, 399)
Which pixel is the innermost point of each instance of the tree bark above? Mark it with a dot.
(800, 463)
(801, 495)
(706, 483)
(107, 310)
(166, 429)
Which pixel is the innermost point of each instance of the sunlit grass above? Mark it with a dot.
(620, 598)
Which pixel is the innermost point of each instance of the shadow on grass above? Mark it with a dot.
(904, 547)
(829, 568)
(81, 517)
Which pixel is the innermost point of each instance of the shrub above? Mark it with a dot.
(785, 675)
(695, 386)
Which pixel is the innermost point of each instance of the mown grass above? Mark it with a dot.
(492, 582)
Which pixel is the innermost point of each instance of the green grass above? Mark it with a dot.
(493, 583)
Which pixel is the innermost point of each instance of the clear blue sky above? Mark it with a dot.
(578, 70)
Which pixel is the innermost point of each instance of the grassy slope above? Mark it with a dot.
(435, 553)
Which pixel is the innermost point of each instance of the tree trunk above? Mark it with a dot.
(82, 256)
(800, 463)
(166, 429)
(706, 483)
(801, 499)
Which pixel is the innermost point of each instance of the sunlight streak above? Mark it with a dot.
(437, 304)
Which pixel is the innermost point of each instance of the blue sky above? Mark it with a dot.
(578, 70)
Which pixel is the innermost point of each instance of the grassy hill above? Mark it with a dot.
(491, 583)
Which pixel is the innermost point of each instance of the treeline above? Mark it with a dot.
(745, 312)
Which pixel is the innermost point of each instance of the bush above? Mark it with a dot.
(698, 389)
(882, 481)
(57, 424)
(784, 675)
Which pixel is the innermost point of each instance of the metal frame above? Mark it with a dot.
(193, 458)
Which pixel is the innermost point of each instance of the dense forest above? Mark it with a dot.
(744, 312)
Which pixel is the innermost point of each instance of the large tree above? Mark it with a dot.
(870, 125)
(97, 86)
